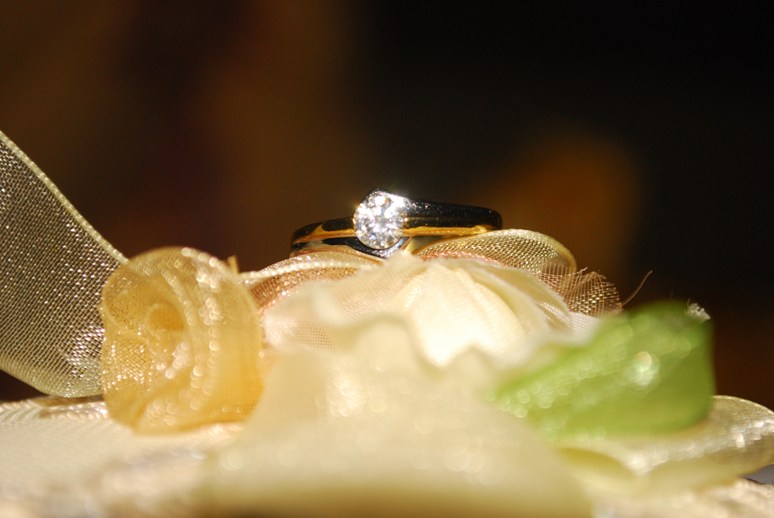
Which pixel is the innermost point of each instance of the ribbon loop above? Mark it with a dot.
(53, 265)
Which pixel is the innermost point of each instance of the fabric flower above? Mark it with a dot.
(182, 342)
(450, 307)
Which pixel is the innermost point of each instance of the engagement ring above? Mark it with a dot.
(384, 223)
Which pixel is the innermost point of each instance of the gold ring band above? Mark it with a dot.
(385, 223)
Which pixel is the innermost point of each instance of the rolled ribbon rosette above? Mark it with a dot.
(182, 342)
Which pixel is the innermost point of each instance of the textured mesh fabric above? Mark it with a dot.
(280, 279)
(517, 248)
(52, 268)
(589, 293)
(584, 292)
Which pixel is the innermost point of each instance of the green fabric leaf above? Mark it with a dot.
(644, 371)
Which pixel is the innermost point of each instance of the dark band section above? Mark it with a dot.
(430, 214)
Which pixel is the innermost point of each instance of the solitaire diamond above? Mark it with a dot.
(379, 220)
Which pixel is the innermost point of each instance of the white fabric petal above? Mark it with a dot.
(354, 439)
(450, 307)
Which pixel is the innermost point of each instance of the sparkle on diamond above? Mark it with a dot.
(379, 220)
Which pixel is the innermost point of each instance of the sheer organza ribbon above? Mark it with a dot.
(54, 265)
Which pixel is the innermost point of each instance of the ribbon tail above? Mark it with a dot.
(53, 265)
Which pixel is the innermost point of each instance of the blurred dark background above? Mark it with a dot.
(642, 137)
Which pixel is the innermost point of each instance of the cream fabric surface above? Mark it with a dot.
(67, 457)
(367, 439)
(361, 438)
(734, 438)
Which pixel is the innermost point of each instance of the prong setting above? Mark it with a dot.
(379, 219)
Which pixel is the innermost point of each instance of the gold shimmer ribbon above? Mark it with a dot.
(53, 267)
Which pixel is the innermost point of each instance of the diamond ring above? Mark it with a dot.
(384, 223)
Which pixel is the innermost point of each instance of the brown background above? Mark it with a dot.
(642, 138)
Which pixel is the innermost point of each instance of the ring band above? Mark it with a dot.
(384, 223)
